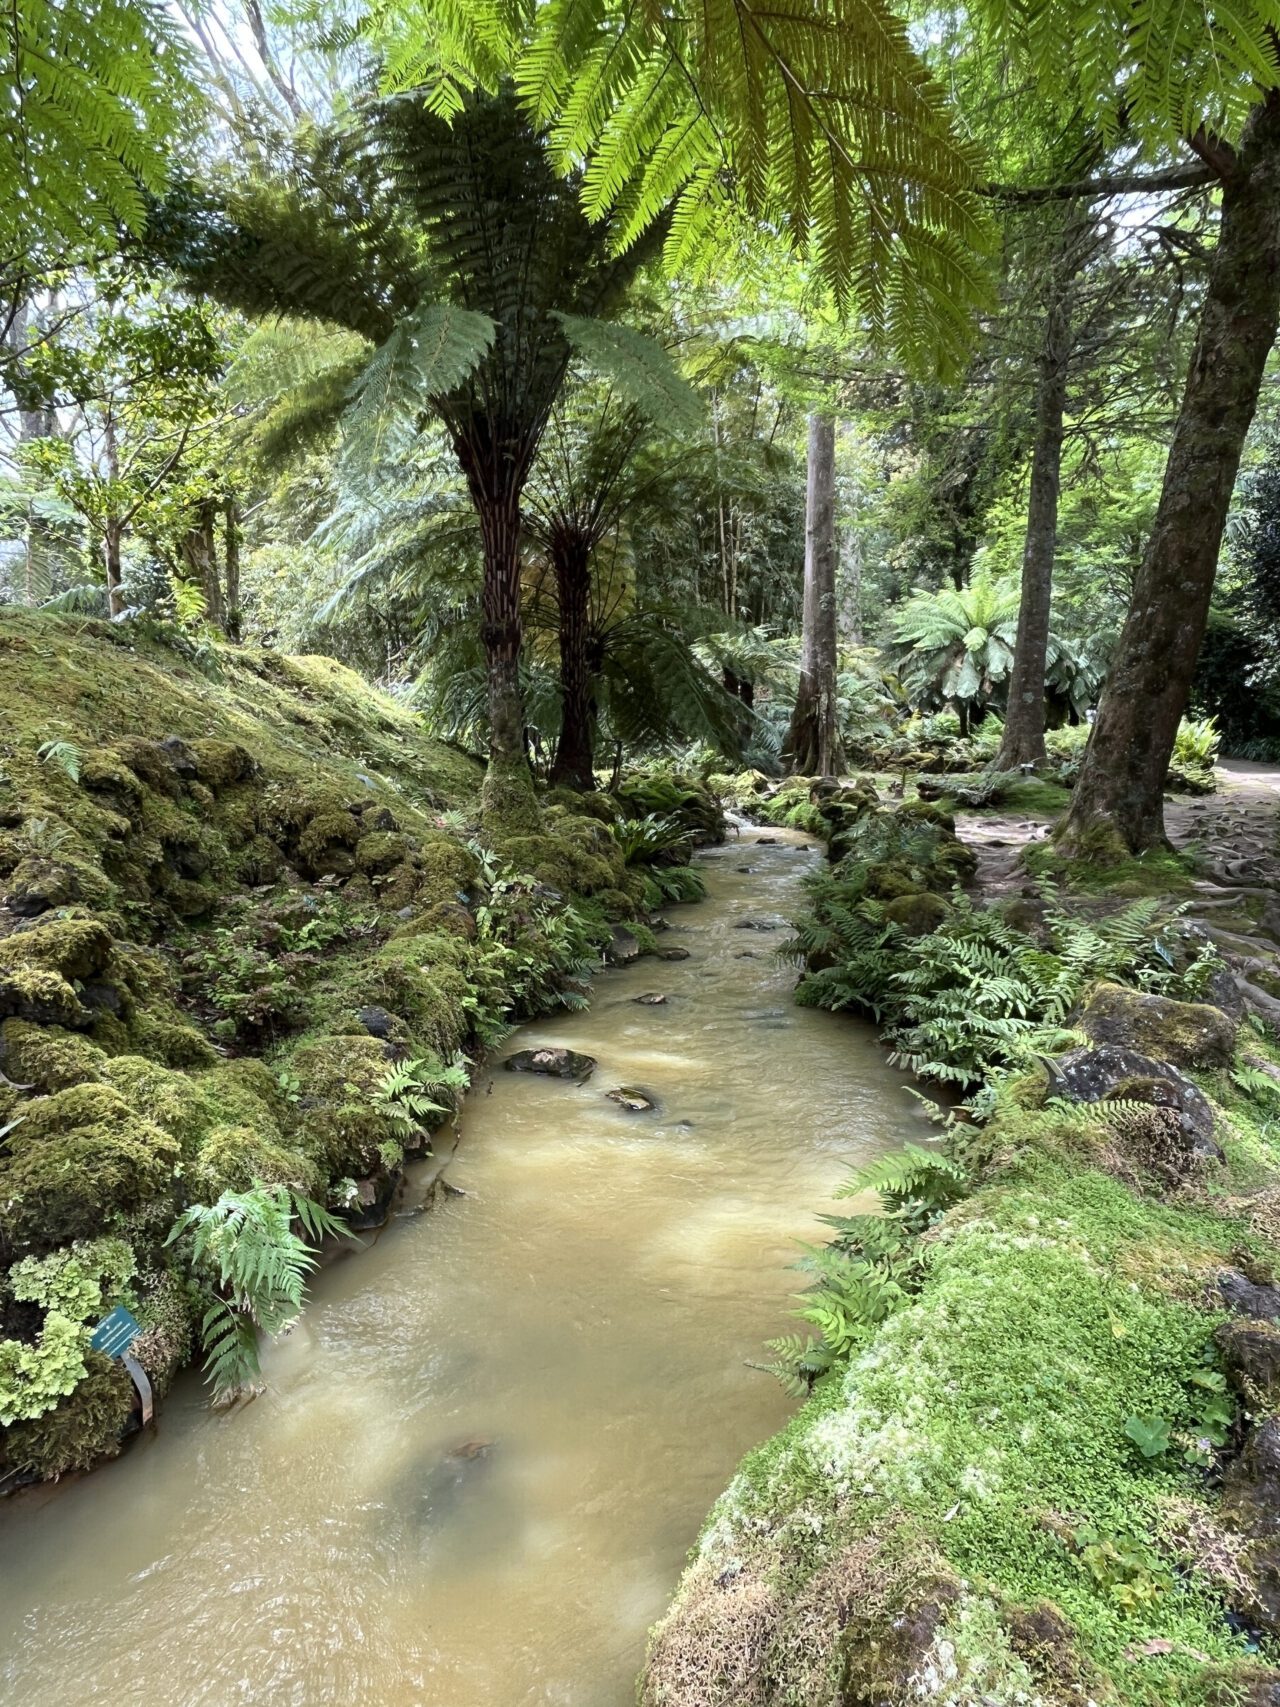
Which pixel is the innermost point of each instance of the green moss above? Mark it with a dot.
(382, 849)
(1102, 865)
(80, 1159)
(345, 1127)
(918, 914)
(221, 763)
(169, 1041)
(83, 1429)
(47, 1057)
(1190, 1034)
(75, 947)
(233, 1157)
(509, 806)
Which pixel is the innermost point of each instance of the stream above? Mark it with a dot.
(482, 1455)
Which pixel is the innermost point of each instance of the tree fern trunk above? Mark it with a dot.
(575, 757)
(812, 746)
(1122, 780)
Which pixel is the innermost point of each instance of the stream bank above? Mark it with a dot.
(481, 1457)
(1043, 1468)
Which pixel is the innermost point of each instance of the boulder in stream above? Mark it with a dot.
(633, 1100)
(673, 954)
(552, 1063)
(623, 949)
(650, 999)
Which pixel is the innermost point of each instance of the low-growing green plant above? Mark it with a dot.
(874, 1263)
(66, 755)
(665, 885)
(1122, 1567)
(253, 1265)
(977, 996)
(71, 1286)
(408, 1090)
(647, 840)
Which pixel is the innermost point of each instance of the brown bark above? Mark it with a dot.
(812, 747)
(1122, 779)
(501, 630)
(200, 554)
(1023, 740)
(113, 528)
(231, 556)
(575, 752)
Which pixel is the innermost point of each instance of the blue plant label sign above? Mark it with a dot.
(116, 1332)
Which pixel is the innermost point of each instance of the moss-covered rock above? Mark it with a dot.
(1190, 1034)
(46, 1057)
(79, 1161)
(917, 914)
(81, 1431)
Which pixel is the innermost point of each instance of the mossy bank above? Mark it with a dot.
(1039, 1464)
(236, 891)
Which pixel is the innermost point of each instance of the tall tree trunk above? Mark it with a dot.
(1122, 779)
(111, 557)
(200, 553)
(1023, 740)
(509, 805)
(36, 420)
(575, 754)
(813, 743)
(231, 556)
(113, 528)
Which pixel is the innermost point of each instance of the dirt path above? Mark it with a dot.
(1235, 836)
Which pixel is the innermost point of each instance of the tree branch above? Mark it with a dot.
(1120, 184)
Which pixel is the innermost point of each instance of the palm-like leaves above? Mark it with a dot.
(957, 643)
(821, 115)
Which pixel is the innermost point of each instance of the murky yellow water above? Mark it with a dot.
(589, 1307)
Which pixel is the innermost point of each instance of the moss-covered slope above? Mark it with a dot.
(235, 888)
(1044, 1467)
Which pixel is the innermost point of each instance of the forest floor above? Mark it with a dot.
(1230, 842)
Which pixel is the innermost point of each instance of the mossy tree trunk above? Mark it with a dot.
(1121, 784)
(812, 746)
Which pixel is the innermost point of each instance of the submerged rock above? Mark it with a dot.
(650, 999)
(554, 1063)
(673, 954)
(756, 925)
(633, 1100)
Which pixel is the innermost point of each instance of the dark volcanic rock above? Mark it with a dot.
(552, 1063)
(376, 1021)
(623, 949)
(1190, 1034)
(1248, 1299)
(1112, 1074)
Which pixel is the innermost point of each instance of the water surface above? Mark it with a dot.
(482, 1455)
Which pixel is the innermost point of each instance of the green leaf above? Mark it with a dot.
(1149, 1433)
(639, 366)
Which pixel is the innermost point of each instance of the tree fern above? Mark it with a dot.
(821, 120)
(94, 94)
(639, 366)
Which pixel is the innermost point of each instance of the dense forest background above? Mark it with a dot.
(382, 335)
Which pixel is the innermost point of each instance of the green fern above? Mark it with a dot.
(65, 755)
(244, 1249)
